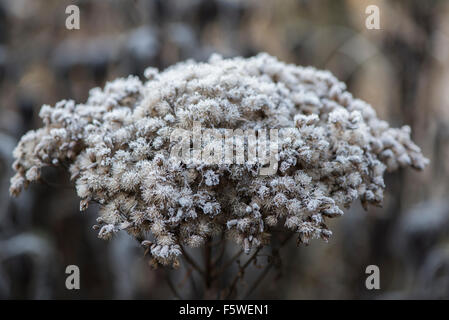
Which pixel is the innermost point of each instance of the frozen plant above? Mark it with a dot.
(332, 150)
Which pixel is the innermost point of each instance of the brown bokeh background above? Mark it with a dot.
(402, 70)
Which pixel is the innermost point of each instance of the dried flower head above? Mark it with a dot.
(332, 150)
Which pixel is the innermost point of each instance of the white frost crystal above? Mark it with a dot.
(332, 150)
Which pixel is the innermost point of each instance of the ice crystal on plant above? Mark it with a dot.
(332, 150)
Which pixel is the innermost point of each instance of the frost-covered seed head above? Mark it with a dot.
(332, 150)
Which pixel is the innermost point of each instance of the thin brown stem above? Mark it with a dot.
(54, 184)
(187, 275)
(172, 286)
(283, 242)
(228, 264)
(221, 254)
(208, 264)
(259, 279)
(192, 262)
(241, 273)
(268, 267)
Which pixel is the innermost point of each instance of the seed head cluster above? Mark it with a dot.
(332, 150)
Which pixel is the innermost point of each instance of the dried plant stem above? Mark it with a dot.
(192, 262)
(259, 279)
(208, 264)
(219, 257)
(228, 264)
(171, 285)
(54, 184)
(188, 275)
(210, 274)
(241, 272)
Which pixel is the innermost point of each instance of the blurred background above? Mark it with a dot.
(401, 69)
